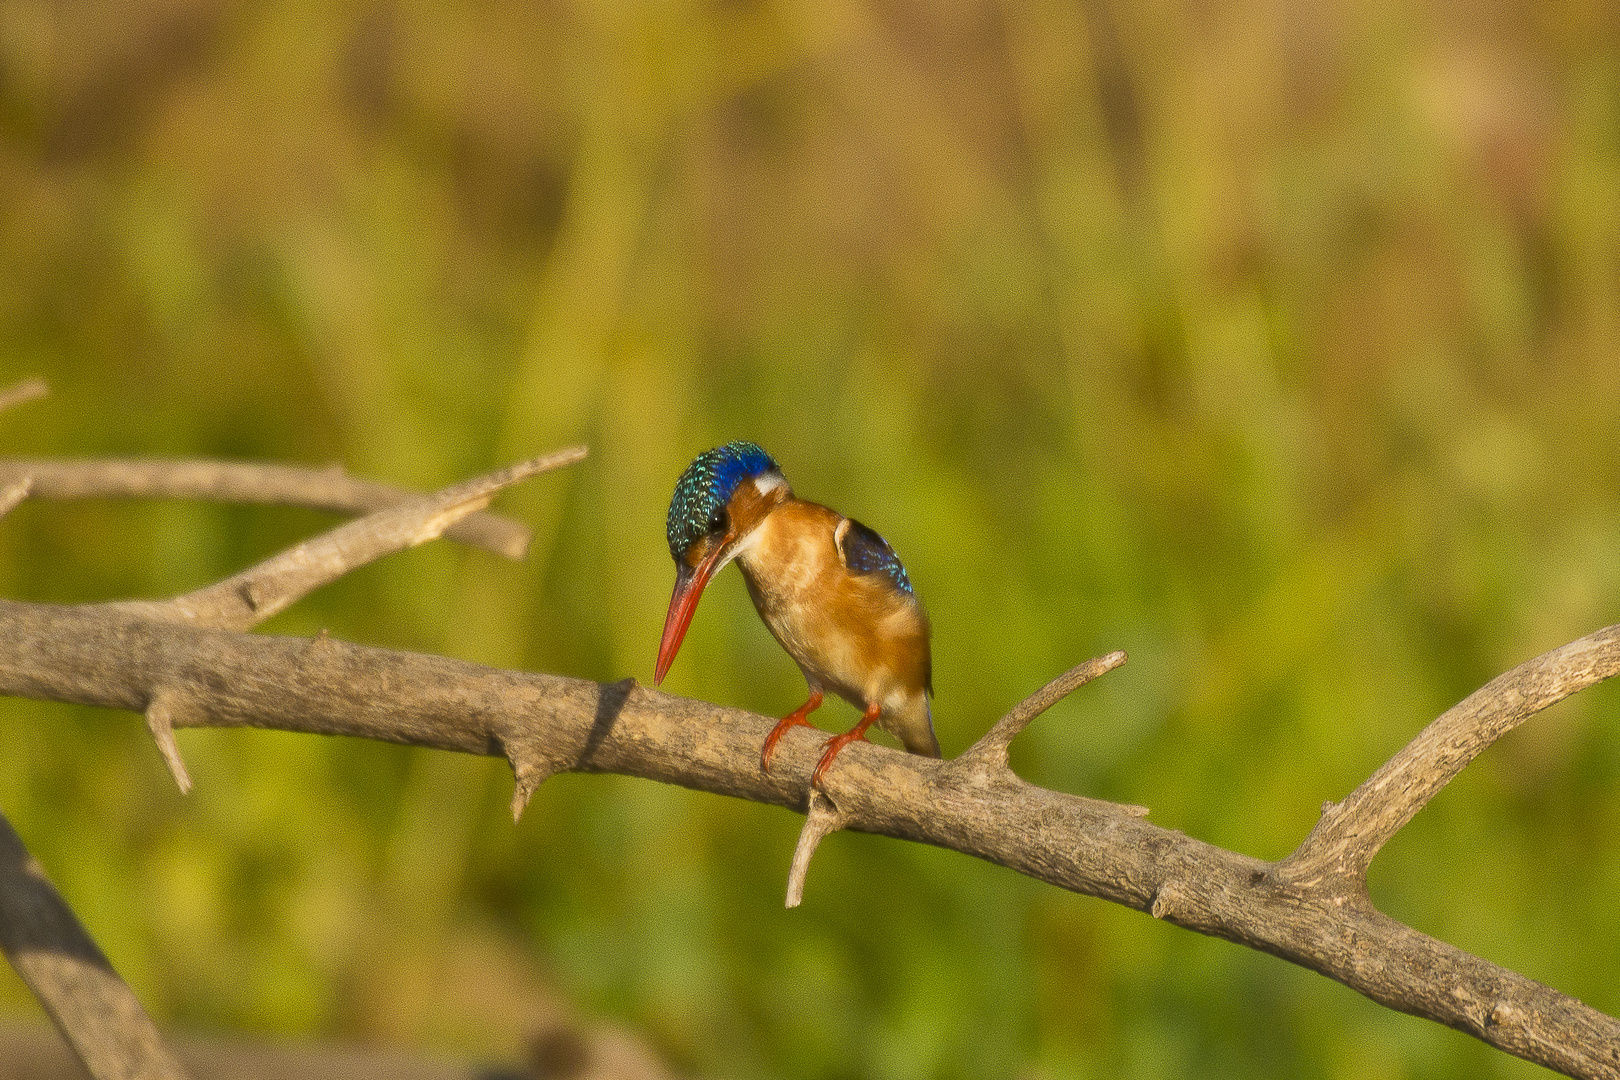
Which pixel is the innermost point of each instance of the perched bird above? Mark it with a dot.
(832, 592)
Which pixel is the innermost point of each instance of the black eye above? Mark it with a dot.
(717, 520)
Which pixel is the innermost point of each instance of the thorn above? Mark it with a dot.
(160, 722)
(320, 641)
(520, 798)
(528, 779)
(823, 819)
(321, 638)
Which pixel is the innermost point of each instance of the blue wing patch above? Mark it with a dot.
(865, 552)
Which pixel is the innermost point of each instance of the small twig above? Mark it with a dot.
(160, 722)
(165, 659)
(980, 760)
(536, 760)
(248, 598)
(93, 1008)
(1350, 833)
(991, 749)
(106, 655)
(526, 781)
(822, 820)
(245, 482)
(25, 391)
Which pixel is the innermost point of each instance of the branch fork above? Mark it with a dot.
(983, 762)
(93, 1008)
(1350, 833)
(180, 663)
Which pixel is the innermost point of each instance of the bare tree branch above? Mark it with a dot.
(160, 722)
(978, 763)
(247, 599)
(1350, 833)
(820, 821)
(108, 656)
(244, 482)
(91, 1006)
(1311, 909)
(236, 482)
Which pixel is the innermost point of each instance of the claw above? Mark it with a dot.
(838, 742)
(793, 719)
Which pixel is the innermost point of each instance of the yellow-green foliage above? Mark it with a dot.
(1276, 343)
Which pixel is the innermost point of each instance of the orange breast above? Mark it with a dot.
(854, 634)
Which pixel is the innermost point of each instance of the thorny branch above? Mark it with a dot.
(1311, 908)
(242, 482)
(1350, 833)
(95, 1011)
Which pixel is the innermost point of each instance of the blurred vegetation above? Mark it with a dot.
(1274, 341)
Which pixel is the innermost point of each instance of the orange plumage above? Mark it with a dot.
(830, 590)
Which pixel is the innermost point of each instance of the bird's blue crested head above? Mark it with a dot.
(701, 494)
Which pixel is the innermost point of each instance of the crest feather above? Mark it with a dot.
(705, 487)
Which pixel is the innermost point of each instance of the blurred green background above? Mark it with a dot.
(1276, 342)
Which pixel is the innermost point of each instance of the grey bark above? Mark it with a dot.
(186, 663)
(545, 724)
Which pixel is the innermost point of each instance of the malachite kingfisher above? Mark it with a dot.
(832, 592)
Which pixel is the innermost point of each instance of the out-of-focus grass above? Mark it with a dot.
(1277, 343)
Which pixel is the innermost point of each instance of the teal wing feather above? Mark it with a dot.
(865, 552)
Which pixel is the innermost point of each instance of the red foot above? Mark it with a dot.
(796, 718)
(838, 742)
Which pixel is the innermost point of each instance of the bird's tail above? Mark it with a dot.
(914, 727)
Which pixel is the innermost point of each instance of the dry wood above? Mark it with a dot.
(1310, 908)
(101, 655)
(1350, 833)
(91, 1006)
(247, 599)
(243, 482)
(93, 1009)
(821, 820)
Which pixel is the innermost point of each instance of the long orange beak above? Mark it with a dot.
(689, 583)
